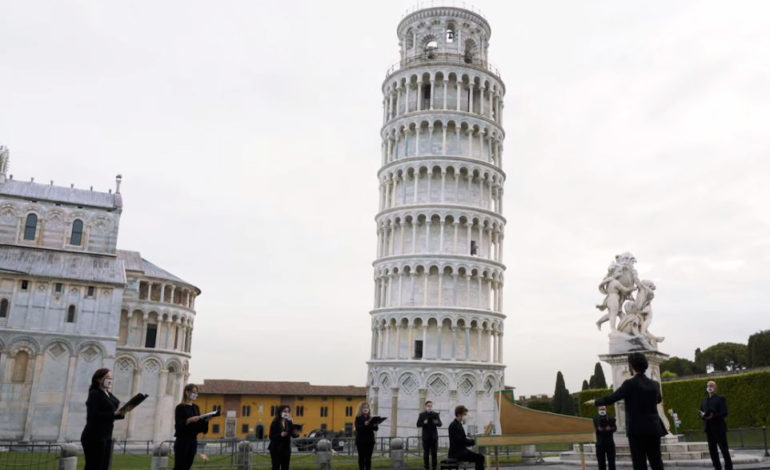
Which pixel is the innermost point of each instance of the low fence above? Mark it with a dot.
(739, 438)
(37, 456)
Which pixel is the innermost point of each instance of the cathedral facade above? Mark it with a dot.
(437, 322)
(71, 303)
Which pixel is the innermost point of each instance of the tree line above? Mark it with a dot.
(723, 356)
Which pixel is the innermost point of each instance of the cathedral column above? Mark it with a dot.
(441, 236)
(398, 340)
(445, 86)
(454, 342)
(416, 140)
(160, 394)
(416, 176)
(400, 287)
(398, 100)
(406, 104)
(37, 369)
(443, 182)
(440, 332)
(387, 192)
(425, 275)
(414, 235)
(443, 139)
(401, 227)
(427, 234)
(386, 353)
(134, 390)
(467, 331)
(72, 363)
(470, 143)
(412, 276)
(457, 229)
(441, 285)
(424, 342)
(481, 101)
(419, 95)
(394, 411)
(458, 95)
(432, 88)
(500, 348)
(471, 89)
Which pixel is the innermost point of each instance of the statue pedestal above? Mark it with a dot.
(620, 372)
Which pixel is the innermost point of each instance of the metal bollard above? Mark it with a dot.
(159, 457)
(244, 455)
(68, 459)
(397, 453)
(323, 454)
(528, 453)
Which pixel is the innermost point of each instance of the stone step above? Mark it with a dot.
(691, 459)
(626, 456)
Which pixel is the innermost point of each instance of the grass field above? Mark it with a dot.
(299, 461)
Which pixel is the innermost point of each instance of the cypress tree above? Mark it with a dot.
(585, 385)
(599, 380)
(562, 401)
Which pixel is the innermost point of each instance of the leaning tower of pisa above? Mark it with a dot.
(437, 322)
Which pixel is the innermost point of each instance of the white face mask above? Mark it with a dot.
(464, 419)
(285, 415)
(602, 412)
(428, 408)
(710, 389)
(107, 384)
(193, 396)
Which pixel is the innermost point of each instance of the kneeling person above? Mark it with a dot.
(459, 442)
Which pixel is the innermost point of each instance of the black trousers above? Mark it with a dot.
(644, 448)
(429, 451)
(470, 456)
(605, 455)
(97, 452)
(184, 454)
(365, 451)
(280, 459)
(717, 439)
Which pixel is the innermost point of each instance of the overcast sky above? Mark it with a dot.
(247, 133)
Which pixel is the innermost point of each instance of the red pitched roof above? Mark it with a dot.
(249, 387)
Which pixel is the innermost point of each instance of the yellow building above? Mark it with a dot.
(251, 406)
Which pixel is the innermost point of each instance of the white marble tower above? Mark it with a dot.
(437, 323)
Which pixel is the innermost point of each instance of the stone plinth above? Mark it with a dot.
(620, 373)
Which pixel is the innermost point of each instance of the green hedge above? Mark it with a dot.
(588, 411)
(747, 395)
(748, 399)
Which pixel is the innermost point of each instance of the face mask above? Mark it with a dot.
(602, 413)
(709, 390)
(107, 384)
(285, 415)
(193, 396)
(428, 409)
(464, 419)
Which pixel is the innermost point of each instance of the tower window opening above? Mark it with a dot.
(24, 285)
(418, 349)
(3, 308)
(30, 227)
(450, 35)
(152, 334)
(71, 314)
(58, 287)
(430, 49)
(76, 238)
(474, 248)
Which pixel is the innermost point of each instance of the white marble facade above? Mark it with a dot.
(70, 303)
(437, 323)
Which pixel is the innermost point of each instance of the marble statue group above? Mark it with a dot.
(627, 302)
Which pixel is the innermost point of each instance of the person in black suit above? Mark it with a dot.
(187, 424)
(644, 427)
(101, 413)
(429, 422)
(459, 442)
(605, 442)
(364, 436)
(281, 432)
(713, 413)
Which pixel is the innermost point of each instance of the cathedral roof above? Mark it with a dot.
(134, 262)
(48, 192)
(61, 265)
(249, 387)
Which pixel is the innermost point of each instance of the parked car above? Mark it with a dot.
(307, 444)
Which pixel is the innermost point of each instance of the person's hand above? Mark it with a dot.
(366, 423)
(284, 434)
(195, 419)
(590, 403)
(426, 421)
(120, 413)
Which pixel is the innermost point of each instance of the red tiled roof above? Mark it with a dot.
(248, 387)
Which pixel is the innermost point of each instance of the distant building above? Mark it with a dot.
(70, 303)
(254, 404)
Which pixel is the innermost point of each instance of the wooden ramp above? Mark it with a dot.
(516, 419)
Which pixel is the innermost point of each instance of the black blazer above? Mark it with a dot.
(100, 415)
(364, 432)
(641, 396)
(716, 406)
(429, 429)
(280, 443)
(188, 432)
(603, 436)
(458, 441)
